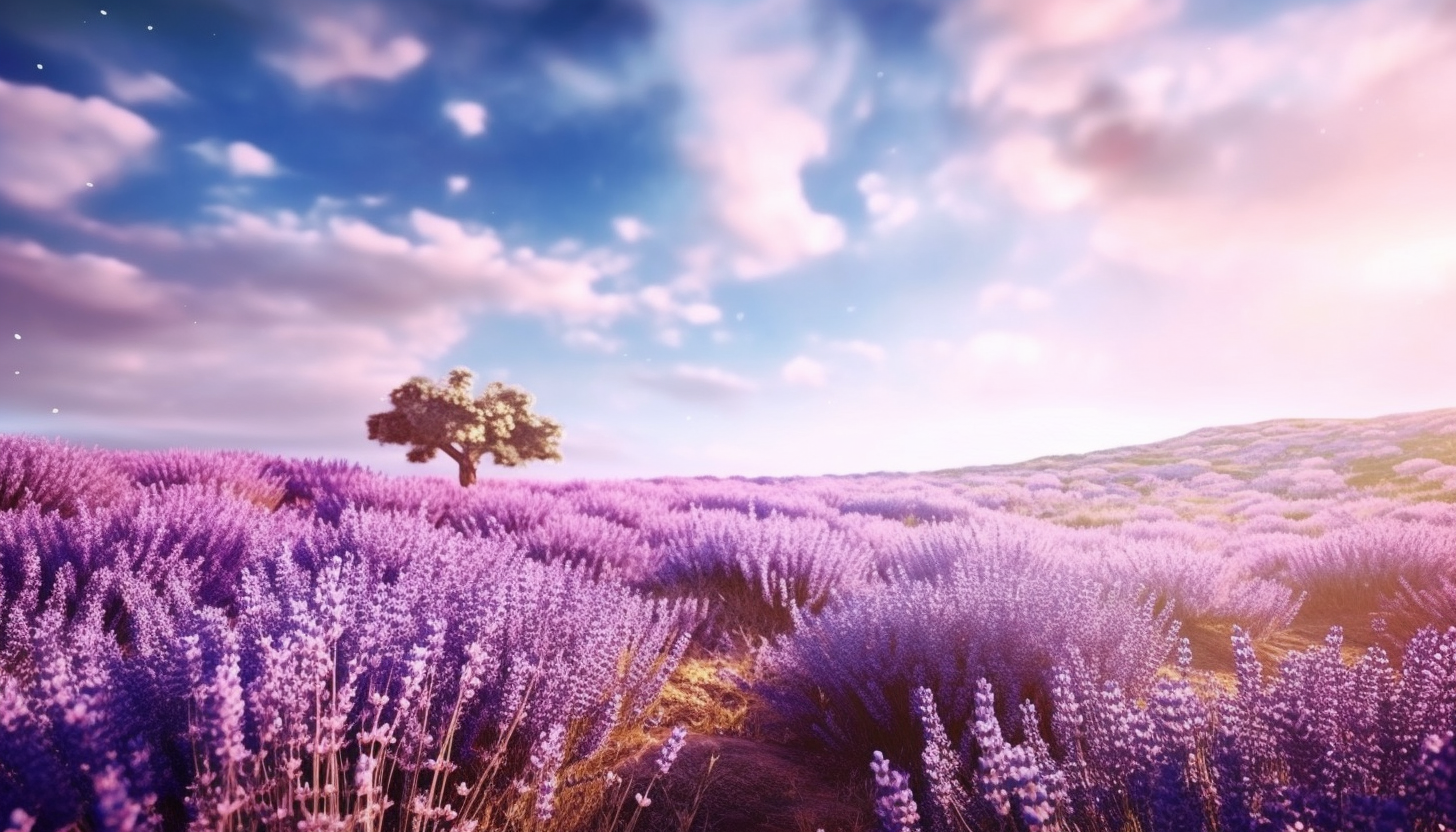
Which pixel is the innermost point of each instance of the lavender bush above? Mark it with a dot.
(847, 674)
(759, 572)
(173, 665)
(1324, 744)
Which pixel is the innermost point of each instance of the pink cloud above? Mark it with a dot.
(346, 261)
(1309, 145)
(1041, 24)
(670, 309)
(1259, 207)
(240, 158)
(803, 371)
(336, 48)
(302, 323)
(695, 383)
(88, 281)
(142, 88)
(630, 229)
(52, 144)
(469, 116)
(759, 92)
(887, 209)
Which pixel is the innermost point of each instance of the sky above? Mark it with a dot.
(713, 237)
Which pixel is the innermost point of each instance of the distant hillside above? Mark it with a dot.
(1407, 457)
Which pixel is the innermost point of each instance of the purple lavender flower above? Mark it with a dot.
(894, 802)
(670, 748)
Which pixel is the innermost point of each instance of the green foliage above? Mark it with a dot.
(432, 417)
(1373, 472)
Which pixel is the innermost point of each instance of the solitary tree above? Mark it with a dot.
(433, 418)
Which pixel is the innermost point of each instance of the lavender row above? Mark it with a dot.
(377, 671)
(1322, 745)
(793, 543)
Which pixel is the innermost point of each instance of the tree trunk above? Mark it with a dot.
(467, 473)
(467, 462)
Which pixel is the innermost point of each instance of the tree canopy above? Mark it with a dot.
(432, 417)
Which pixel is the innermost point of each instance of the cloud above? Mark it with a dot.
(1064, 24)
(887, 210)
(990, 349)
(864, 349)
(1344, 186)
(469, 116)
(335, 49)
(145, 88)
(630, 229)
(591, 340)
(52, 144)
(660, 300)
(300, 324)
(457, 184)
(1302, 149)
(802, 371)
(1004, 294)
(1032, 169)
(88, 283)
(240, 158)
(699, 384)
(585, 85)
(954, 184)
(758, 89)
(1269, 204)
(354, 265)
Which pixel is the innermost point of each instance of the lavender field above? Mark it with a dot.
(1245, 628)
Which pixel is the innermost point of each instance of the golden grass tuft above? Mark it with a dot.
(698, 695)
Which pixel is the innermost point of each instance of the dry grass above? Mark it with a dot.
(700, 696)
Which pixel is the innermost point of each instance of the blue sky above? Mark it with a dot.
(782, 237)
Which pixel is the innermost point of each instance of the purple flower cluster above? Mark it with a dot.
(847, 673)
(894, 801)
(1323, 745)
(190, 657)
(670, 749)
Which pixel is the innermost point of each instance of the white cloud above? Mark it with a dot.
(592, 340)
(805, 372)
(759, 89)
(52, 144)
(699, 384)
(1032, 169)
(457, 184)
(887, 210)
(660, 300)
(955, 182)
(586, 85)
(864, 349)
(332, 331)
(469, 116)
(240, 158)
(145, 88)
(458, 266)
(998, 348)
(701, 313)
(630, 229)
(335, 49)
